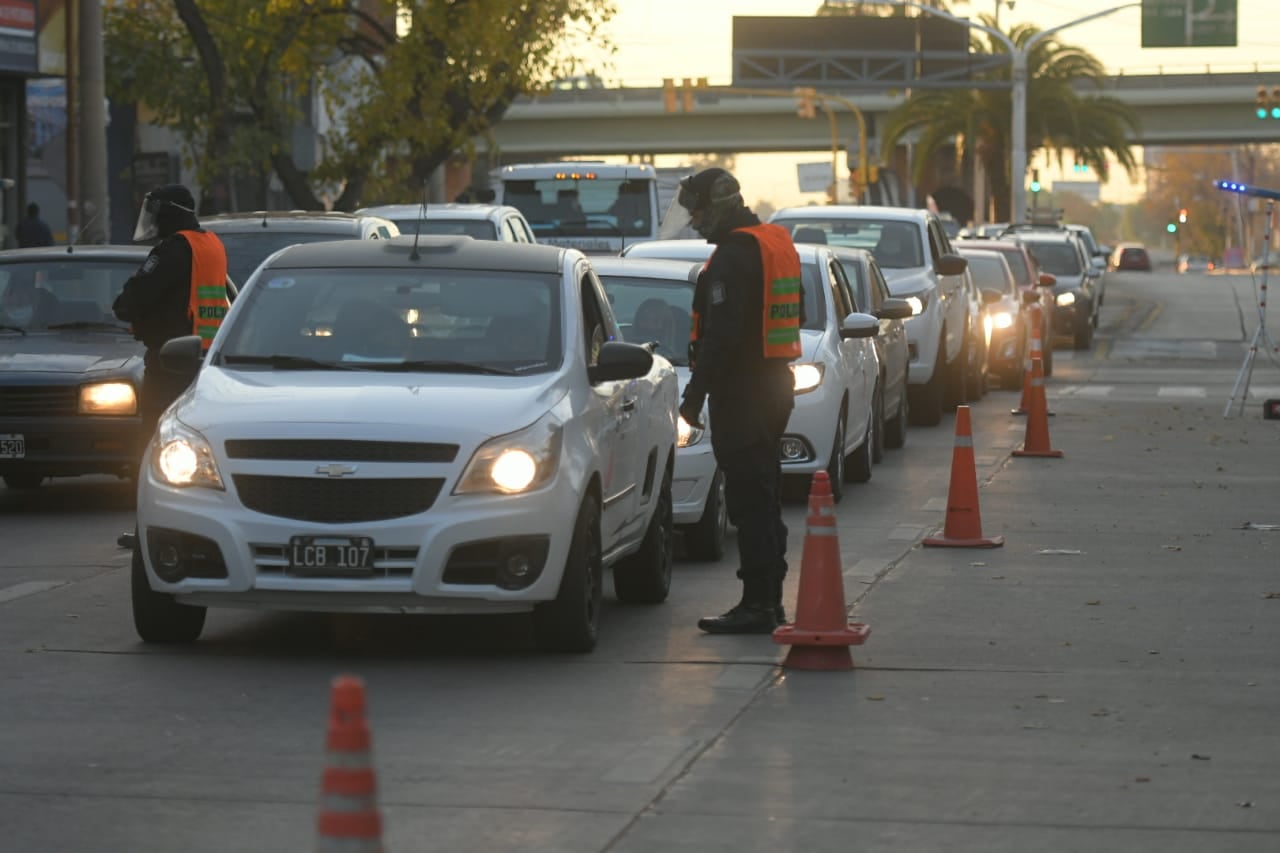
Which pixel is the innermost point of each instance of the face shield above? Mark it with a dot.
(676, 222)
(147, 227)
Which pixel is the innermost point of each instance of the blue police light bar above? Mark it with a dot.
(1245, 189)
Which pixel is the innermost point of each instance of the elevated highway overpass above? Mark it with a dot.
(1174, 109)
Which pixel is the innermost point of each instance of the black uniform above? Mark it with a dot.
(751, 398)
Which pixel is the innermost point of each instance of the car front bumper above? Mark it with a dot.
(72, 446)
(694, 472)
(812, 427)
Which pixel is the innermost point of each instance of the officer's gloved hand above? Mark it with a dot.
(691, 411)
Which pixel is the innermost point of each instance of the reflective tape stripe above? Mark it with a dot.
(826, 510)
(1036, 383)
(820, 531)
(353, 759)
(338, 804)
(964, 441)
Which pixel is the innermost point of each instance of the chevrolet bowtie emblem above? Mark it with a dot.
(336, 469)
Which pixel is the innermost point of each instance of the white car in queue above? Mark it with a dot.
(832, 427)
(432, 425)
(652, 300)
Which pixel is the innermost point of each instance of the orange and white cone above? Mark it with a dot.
(1034, 351)
(822, 633)
(1036, 441)
(963, 528)
(349, 819)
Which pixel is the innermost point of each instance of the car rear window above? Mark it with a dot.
(480, 229)
(894, 243)
(1057, 258)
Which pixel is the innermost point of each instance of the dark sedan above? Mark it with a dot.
(69, 371)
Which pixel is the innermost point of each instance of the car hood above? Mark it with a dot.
(907, 281)
(443, 405)
(67, 352)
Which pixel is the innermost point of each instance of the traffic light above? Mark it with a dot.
(806, 102)
(1035, 180)
(1267, 102)
(1275, 101)
(1172, 228)
(668, 95)
(1080, 167)
(1182, 215)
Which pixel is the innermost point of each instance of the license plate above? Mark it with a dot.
(331, 555)
(13, 446)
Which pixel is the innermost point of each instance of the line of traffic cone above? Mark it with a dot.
(1036, 441)
(822, 633)
(1034, 351)
(963, 527)
(349, 819)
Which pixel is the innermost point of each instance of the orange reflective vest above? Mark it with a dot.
(207, 304)
(780, 324)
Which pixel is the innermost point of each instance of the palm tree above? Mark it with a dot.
(1059, 117)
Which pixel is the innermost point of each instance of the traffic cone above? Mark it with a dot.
(1034, 351)
(349, 819)
(1036, 442)
(964, 521)
(822, 633)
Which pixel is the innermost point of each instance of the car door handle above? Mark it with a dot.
(629, 404)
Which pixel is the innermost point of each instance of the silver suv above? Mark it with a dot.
(944, 334)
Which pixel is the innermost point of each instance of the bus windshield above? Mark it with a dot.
(583, 205)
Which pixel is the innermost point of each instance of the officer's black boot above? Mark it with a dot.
(753, 615)
(779, 612)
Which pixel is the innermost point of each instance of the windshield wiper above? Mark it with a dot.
(89, 324)
(5, 327)
(288, 362)
(438, 366)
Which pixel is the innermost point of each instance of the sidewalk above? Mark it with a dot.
(1106, 681)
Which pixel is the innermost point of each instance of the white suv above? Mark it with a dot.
(945, 333)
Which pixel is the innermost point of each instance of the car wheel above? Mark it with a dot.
(1084, 335)
(835, 465)
(1046, 353)
(895, 430)
(977, 378)
(571, 621)
(956, 391)
(24, 482)
(926, 399)
(877, 424)
(858, 465)
(157, 617)
(705, 539)
(645, 576)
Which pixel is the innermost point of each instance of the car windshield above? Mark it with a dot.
(481, 229)
(582, 206)
(895, 244)
(71, 291)
(465, 321)
(989, 272)
(1058, 258)
(247, 249)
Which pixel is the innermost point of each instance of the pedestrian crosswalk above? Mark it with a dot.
(1159, 393)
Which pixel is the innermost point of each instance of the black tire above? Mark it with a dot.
(956, 391)
(977, 377)
(23, 482)
(835, 465)
(877, 421)
(705, 539)
(857, 467)
(1046, 349)
(571, 621)
(157, 617)
(1013, 380)
(926, 399)
(1084, 335)
(645, 576)
(895, 430)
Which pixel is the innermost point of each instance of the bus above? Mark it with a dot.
(595, 207)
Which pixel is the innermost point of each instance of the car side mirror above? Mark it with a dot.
(894, 309)
(989, 295)
(1048, 279)
(859, 325)
(1030, 297)
(951, 264)
(182, 355)
(619, 360)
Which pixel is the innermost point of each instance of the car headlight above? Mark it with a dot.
(1001, 320)
(807, 376)
(917, 304)
(1065, 299)
(181, 457)
(517, 462)
(108, 398)
(687, 435)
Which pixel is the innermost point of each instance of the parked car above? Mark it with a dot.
(451, 430)
(871, 296)
(481, 221)
(919, 264)
(1007, 320)
(838, 400)
(250, 238)
(1030, 279)
(1130, 256)
(69, 370)
(1075, 312)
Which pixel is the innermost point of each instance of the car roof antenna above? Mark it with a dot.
(84, 228)
(417, 223)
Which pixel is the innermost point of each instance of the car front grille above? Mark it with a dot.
(331, 501)
(39, 401)
(339, 450)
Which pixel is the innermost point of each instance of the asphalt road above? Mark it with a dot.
(1104, 681)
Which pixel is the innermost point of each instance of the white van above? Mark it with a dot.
(597, 208)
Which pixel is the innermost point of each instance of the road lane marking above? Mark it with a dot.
(1095, 390)
(1180, 391)
(935, 504)
(22, 590)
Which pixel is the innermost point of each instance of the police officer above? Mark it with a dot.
(179, 290)
(747, 314)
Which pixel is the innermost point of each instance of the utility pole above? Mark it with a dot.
(72, 91)
(95, 209)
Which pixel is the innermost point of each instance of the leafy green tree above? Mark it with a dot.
(1059, 117)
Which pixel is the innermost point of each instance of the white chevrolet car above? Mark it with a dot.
(441, 425)
(945, 334)
(838, 402)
